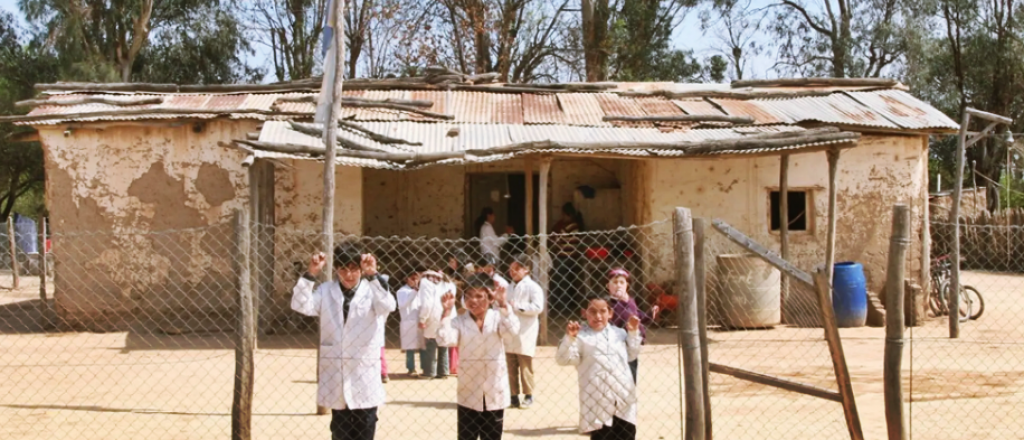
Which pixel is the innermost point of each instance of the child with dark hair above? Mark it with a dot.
(409, 308)
(624, 308)
(601, 354)
(483, 392)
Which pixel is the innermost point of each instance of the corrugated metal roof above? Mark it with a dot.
(888, 109)
(903, 109)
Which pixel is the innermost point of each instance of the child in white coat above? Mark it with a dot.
(483, 392)
(432, 287)
(409, 308)
(527, 301)
(601, 354)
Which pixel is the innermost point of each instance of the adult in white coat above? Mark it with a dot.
(490, 242)
(601, 354)
(352, 311)
(483, 392)
(527, 301)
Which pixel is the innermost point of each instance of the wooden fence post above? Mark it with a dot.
(693, 428)
(14, 253)
(700, 279)
(241, 407)
(835, 348)
(898, 242)
(44, 306)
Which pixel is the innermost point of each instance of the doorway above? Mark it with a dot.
(505, 193)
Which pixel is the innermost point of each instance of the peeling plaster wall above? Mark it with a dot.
(880, 172)
(429, 202)
(108, 187)
(299, 192)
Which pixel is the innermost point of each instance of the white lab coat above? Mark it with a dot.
(483, 373)
(349, 349)
(491, 242)
(606, 385)
(430, 305)
(409, 309)
(499, 281)
(527, 301)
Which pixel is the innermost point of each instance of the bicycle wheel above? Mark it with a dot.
(964, 303)
(977, 302)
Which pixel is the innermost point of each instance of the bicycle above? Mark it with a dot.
(971, 304)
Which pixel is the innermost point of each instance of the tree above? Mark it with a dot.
(736, 25)
(21, 66)
(291, 29)
(840, 38)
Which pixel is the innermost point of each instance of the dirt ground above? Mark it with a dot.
(140, 383)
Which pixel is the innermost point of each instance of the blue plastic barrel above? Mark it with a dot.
(850, 294)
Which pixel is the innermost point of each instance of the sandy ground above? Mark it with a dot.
(142, 384)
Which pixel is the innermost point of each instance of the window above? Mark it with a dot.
(798, 215)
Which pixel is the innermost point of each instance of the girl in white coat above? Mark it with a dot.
(409, 308)
(527, 301)
(352, 313)
(483, 392)
(601, 354)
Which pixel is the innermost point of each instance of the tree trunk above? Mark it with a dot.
(595, 16)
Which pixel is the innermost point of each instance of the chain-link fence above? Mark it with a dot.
(972, 386)
(143, 337)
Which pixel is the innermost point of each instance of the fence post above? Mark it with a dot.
(14, 253)
(700, 278)
(954, 219)
(693, 428)
(898, 242)
(823, 287)
(44, 306)
(241, 407)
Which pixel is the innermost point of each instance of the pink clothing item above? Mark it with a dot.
(453, 360)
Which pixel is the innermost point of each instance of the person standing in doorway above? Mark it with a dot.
(490, 242)
(527, 301)
(352, 311)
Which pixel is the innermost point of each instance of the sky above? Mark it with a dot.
(687, 36)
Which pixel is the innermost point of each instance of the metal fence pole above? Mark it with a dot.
(693, 428)
(14, 253)
(898, 242)
(241, 407)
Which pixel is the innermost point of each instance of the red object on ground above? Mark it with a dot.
(48, 245)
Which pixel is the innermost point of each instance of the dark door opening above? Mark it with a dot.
(505, 193)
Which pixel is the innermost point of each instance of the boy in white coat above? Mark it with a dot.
(527, 301)
(601, 354)
(409, 308)
(483, 392)
(352, 311)
(432, 287)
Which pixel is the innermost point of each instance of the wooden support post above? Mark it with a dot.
(528, 170)
(899, 240)
(777, 382)
(44, 306)
(954, 220)
(916, 313)
(784, 229)
(835, 348)
(830, 243)
(544, 271)
(700, 279)
(693, 428)
(261, 204)
(14, 253)
(762, 252)
(241, 407)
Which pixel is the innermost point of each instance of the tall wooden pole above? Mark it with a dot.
(899, 240)
(544, 272)
(693, 426)
(830, 244)
(835, 347)
(14, 253)
(245, 332)
(331, 88)
(700, 280)
(528, 170)
(954, 219)
(44, 314)
(784, 228)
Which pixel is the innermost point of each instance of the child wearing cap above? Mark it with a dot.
(483, 392)
(601, 354)
(624, 307)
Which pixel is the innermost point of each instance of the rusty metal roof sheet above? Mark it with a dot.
(884, 109)
(905, 110)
